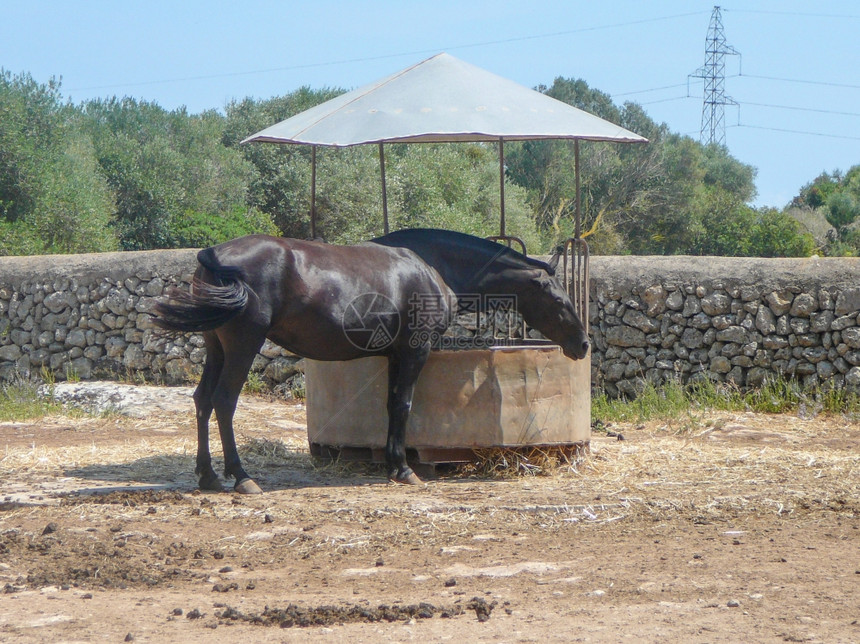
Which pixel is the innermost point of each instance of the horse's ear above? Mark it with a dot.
(553, 261)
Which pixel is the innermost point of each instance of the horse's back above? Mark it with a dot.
(302, 290)
(263, 258)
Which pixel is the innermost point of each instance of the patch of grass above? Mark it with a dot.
(671, 401)
(20, 400)
(255, 384)
(48, 376)
(674, 401)
(297, 387)
(840, 401)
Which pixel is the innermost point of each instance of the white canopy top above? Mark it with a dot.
(441, 99)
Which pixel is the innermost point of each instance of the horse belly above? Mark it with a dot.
(318, 340)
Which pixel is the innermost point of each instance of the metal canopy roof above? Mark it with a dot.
(441, 99)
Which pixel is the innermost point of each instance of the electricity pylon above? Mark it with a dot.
(714, 75)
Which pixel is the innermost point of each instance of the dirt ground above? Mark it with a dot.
(721, 528)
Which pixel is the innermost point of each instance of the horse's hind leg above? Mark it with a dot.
(403, 371)
(207, 479)
(240, 349)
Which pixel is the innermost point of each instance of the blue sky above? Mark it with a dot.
(797, 80)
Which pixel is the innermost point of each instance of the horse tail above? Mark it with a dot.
(206, 306)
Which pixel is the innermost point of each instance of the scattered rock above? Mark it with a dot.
(481, 607)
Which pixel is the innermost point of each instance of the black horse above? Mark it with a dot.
(329, 302)
(473, 266)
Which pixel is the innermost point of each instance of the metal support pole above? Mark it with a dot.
(384, 191)
(578, 226)
(501, 187)
(313, 192)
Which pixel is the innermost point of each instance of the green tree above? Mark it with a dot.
(171, 174)
(815, 194)
(53, 198)
(776, 234)
(280, 186)
(834, 198)
(842, 209)
(456, 186)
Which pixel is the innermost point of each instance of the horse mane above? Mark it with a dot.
(470, 244)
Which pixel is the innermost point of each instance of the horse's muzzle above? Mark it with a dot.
(577, 352)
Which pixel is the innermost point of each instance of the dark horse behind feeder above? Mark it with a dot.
(328, 302)
(472, 266)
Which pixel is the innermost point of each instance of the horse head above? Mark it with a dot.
(549, 309)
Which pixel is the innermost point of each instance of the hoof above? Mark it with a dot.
(407, 478)
(210, 484)
(247, 486)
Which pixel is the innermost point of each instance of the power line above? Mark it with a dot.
(416, 52)
(667, 100)
(779, 129)
(797, 80)
(653, 89)
(801, 109)
(795, 13)
(744, 75)
(740, 102)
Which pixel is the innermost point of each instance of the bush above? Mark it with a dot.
(53, 197)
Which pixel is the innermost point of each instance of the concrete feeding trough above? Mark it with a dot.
(508, 396)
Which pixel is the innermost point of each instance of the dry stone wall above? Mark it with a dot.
(733, 320)
(652, 319)
(87, 316)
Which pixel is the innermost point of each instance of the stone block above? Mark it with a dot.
(848, 301)
(625, 336)
(721, 364)
(735, 334)
(851, 337)
(765, 320)
(675, 301)
(779, 301)
(716, 304)
(10, 352)
(655, 300)
(804, 305)
(639, 320)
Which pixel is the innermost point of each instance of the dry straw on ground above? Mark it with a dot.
(717, 466)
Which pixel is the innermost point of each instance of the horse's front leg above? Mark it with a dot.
(403, 371)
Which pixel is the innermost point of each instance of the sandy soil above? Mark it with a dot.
(722, 528)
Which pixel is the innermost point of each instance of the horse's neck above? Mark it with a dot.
(479, 272)
(468, 268)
